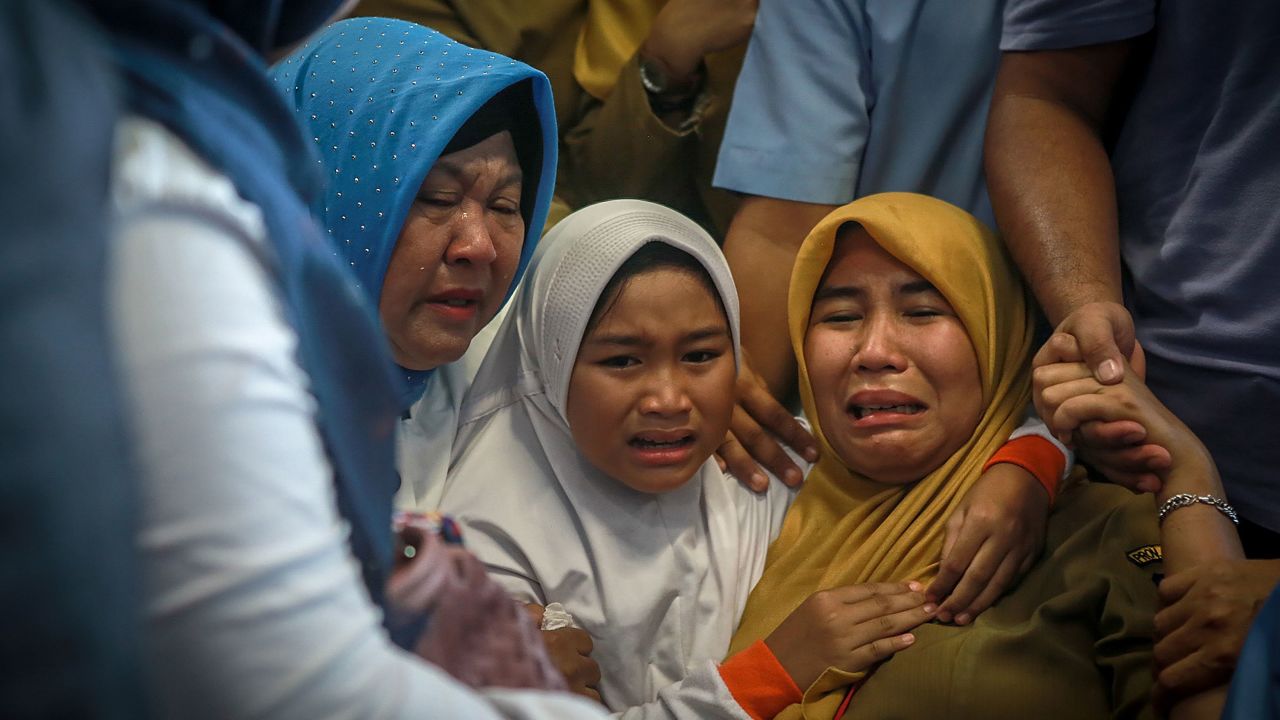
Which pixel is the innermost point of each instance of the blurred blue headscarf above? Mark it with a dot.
(198, 67)
(380, 100)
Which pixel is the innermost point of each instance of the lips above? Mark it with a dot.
(457, 296)
(662, 447)
(456, 303)
(879, 406)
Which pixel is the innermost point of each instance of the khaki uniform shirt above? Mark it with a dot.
(1073, 640)
(616, 148)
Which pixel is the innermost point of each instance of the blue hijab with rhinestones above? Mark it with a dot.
(197, 67)
(380, 101)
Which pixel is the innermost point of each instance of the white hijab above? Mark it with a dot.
(658, 581)
(424, 443)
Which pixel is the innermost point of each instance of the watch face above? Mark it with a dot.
(652, 77)
(668, 95)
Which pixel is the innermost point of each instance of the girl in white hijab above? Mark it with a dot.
(583, 473)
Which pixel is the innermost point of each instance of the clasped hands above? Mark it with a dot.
(1089, 389)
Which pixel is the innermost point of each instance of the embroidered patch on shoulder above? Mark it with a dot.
(1145, 555)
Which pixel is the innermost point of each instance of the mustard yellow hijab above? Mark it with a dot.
(844, 529)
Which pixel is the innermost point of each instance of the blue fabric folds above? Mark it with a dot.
(69, 613)
(1255, 688)
(196, 66)
(379, 100)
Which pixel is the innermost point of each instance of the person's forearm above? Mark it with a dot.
(761, 247)
(1054, 200)
(1049, 175)
(601, 158)
(684, 32)
(1195, 535)
(1198, 533)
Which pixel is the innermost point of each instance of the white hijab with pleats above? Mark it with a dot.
(658, 580)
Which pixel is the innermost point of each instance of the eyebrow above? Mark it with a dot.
(915, 287)
(624, 340)
(456, 171)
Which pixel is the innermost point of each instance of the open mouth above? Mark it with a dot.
(649, 443)
(458, 304)
(864, 411)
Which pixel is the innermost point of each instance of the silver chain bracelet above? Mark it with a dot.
(1182, 500)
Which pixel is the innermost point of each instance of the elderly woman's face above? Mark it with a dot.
(455, 256)
(894, 376)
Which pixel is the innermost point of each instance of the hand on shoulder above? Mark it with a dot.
(993, 538)
(759, 427)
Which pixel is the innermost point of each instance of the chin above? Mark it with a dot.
(883, 465)
(657, 483)
(891, 476)
(431, 355)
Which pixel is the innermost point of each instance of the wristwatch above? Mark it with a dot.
(665, 95)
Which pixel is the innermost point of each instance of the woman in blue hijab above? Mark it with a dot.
(261, 393)
(440, 163)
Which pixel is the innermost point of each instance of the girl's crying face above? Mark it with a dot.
(652, 389)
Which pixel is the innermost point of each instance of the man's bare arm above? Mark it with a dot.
(1049, 175)
(761, 247)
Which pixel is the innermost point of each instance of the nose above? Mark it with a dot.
(879, 347)
(666, 395)
(470, 241)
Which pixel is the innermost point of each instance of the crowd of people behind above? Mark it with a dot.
(653, 359)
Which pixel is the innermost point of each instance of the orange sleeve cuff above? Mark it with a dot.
(1037, 456)
(759, 683)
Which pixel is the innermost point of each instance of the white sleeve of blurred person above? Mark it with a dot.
(701, 695)
(254, 606)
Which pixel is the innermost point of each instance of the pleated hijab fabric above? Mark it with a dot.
(658, 580)
(380, 100)
(843, 528)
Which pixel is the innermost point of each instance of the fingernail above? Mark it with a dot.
(908, 639)
(944, 615)
(1132, 438)
(793, 476)
(963, 619)
(759, 481)
(930, 608)
(1109, 370)
(914, 586)
(811, 454)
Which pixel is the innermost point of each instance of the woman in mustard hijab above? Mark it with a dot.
(913, 337)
